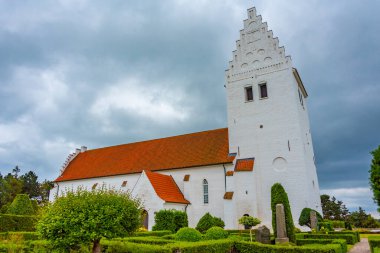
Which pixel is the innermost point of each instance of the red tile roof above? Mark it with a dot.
(244, 164)
(166, 188)
(183, 151)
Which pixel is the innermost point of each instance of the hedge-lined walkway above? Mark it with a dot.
(361, 247)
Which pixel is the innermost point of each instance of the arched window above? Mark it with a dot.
(205, 191)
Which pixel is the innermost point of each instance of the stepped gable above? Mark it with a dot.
(183, 151)
(257, 51)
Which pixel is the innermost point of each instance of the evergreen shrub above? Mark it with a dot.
(216, 233)
(21, 205)
(10, 222)
(248, 247)
(279, 196)
(208, 221)
(304, 219)
(218, 246)
(325, 225)
(171, 220)
(350, 238)
(26, 236)
(374, 242)
(153, 233)
(341, 242)
(188, 235)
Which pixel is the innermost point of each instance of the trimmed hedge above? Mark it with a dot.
(326, 225)
(341, 242)
(216, 233)
(153, 233)
(171, 220)
(21, 205)
(26, 236)
(147, 240)
(355, 233)
(374, 243)
(304, 218)
(279, 196)
(248, 247)
(350, 239)
(118, 246)
(10, 222)
(219, 246)
(188, 235)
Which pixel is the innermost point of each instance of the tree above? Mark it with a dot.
(10, 186)
(30, 184)
(361, 219)
(80, 217)
(333, 209)
(45, 188)
(304, 219)
(375, 176)
(279, 196)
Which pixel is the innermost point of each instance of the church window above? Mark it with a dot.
(124, 184)
(301, 97)
(94, 186)
(248, 94)
(205, 191)
(263, 90)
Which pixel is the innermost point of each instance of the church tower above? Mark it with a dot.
(268, 123)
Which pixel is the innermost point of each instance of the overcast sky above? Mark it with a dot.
(101, 73)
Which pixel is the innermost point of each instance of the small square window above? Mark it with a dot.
(248, 94)
(263, 90)
(94, 186)
(124, 184)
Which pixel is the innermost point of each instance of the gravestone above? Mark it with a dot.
(281, 225)
(262, 235)
(313, 220)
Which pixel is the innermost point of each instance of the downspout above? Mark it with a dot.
(225, 178)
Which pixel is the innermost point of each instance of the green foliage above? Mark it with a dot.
(82, 217)
(30, 184)
(119, 246)
(304, 219)
(216, 233)
(279, 196)
(188, 235)
(325, 226)
(350, 238)
(248, 247)
(153, 233)
(21, 205)
(147, 240)
(171, 220)
(374, 242)
(341, 242)
(249, 221)
(25, 236)
(333, 209)
(374, 178)
(361, 219)
(10, 222)
(219, 246)
(209, 221)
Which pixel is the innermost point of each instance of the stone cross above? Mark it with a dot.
(262, 235)
(281, 225)
(313, 220)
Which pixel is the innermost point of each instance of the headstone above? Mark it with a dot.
(313, 220)
(262, 235)
(281, 225)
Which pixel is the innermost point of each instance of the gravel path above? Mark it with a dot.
(361, 247)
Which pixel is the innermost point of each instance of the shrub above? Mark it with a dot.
(27, 236)
(341, 242)
(118, 246)
(171, 220)
(188, 235)
(279, 196)
(147, 240)
(21, 205)
(153, 233)
(216, 233)
(249, 221)
(325, 226)
(84, 217)
(10, 222)
(218, 246)
(374, 242)
(350, 238)
(208, 221)
(304, 219)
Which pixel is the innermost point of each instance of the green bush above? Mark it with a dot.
(248, 247)
(304, 219)
(374, 242)
(249, 221)
(153, 233)
(171, 220)
(168, 237)
(341, 242)
(26, 236)
(21, 205)
(325, 226)
(219, 246)
(208, 221)
(355, 233)
(279, 196)
(188, 235)
(10, 222)
(216, 233)
(118, 246)
(350, 239)
(147, 240)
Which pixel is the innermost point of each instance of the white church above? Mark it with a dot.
(227, 172)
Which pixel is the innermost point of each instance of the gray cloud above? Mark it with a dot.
(158, 69)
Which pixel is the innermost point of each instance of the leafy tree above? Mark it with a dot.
(171, 220)
(10, 186)
(363, 220)
(279, 196)
(80, 217)
(333, 209)
(45, 188)
(304, 219)
(208, 221)
(30, 184)
(21, 205)
(249, 221)
(375, 176)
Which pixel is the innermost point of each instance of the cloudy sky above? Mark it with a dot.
(100, 73)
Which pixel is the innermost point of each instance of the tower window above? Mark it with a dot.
(263, 90)
(205, 191)
(300, 96)
(248, 94)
